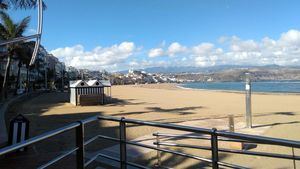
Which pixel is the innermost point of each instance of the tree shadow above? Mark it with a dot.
(180, 111)
(175, 120)
(276, 124)
(285, 113)
(122, 102)
(130, 113)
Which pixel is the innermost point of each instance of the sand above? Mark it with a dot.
(274, 115)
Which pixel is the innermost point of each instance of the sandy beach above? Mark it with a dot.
(274, 115)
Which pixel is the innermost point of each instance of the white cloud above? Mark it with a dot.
(203, 48)
(175, 48)
(99, 57)
(236, 51)
(283, 51)
(205, 54)
(292, 37)
(156, 52)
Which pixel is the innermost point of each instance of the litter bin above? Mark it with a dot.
(18, 130)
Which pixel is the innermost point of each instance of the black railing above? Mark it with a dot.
(214, 136)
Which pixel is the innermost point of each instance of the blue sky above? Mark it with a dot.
(121, 34)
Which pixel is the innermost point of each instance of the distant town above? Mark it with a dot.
(230, 74)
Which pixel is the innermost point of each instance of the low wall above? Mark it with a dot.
(92, 99)
(4, 107)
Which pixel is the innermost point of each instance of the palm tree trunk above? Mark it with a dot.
(18, 77)
(6, 77)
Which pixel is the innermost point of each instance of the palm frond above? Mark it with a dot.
(3, 33)
(8, 23)
(25, 4)
(21, 27)
(3, 5)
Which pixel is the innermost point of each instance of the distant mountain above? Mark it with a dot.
(186, 69)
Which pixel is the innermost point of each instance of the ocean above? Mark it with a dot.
(267, 86)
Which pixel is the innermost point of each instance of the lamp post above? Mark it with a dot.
(248, 101)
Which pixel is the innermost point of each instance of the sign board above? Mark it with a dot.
(248, 87)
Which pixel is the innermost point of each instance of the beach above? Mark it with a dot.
(274, 115)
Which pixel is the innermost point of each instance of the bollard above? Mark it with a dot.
(248, 101)
(231, 123)
(18, 130)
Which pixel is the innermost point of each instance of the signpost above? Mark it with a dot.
(231, 123)
(248, 101)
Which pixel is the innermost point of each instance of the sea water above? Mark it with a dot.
(269, 86)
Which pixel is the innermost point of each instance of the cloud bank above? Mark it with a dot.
(99, 57)
(230, 50)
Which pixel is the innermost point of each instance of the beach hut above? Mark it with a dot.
(76, 88)
(96, 89)
(107, 85)
(86, 92)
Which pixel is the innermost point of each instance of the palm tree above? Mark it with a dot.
(19, 4)
(10, 30)
(24, 56)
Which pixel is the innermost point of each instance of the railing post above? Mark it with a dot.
(158, 152)
(80, 144)
(214, 149)
(294, 161)
(123, 153)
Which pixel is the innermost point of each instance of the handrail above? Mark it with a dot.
(272, 155)
(253, 138)
(214, 161)
(155, 124)
(24, 38)
(39, 32)
(38, 138)
(199, 137)
(260, 139)
(160, 149)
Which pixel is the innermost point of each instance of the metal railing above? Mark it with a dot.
(161, 137)
(214, 136)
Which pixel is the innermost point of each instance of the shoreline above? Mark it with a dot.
(179, 86)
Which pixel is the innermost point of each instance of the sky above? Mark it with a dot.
(123, 34)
